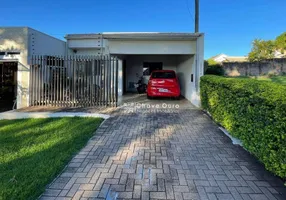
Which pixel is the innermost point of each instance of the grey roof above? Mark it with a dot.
(135, 35)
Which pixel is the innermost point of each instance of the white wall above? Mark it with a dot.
(151, 47)
(85, 43)
(185, 70)
(43, 44)
(28, 42)
(201, 54)
(86, 52)
(137, 47)
(189, 65)
(16, 39)
(199, 70)
(134, 67)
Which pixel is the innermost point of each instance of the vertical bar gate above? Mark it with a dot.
(73, 81)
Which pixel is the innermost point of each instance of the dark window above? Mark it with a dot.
(149, 67)
(163, 75)
(13, 53)
(2, 53)
(86, 67)
(55, 61)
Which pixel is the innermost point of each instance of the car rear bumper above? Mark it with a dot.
(155, 92)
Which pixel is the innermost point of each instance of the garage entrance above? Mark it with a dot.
(8, 85)
(136, 67)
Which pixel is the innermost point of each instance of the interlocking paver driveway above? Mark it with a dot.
(160, 153)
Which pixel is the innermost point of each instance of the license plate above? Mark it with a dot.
(163, 90)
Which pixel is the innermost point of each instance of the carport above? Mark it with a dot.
(140, 53)
(136, 66)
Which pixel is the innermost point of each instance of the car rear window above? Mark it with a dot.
(163, 75)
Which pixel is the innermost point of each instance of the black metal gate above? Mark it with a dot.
(8, 85)
(73, 81)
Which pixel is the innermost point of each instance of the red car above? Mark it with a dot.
(163, 83)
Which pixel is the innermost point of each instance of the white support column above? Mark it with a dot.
(201, 54)
(120, 81)
(199, 70)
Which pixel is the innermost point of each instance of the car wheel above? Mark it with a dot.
(149, 97)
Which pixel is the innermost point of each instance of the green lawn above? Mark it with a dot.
(276, 79)
(34, 151)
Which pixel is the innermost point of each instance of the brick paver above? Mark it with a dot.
(157, 153)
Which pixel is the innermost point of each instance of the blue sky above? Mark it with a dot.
(229, 25)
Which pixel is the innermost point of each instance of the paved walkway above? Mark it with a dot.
(175, 153)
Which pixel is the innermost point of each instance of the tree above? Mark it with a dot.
(261, 50)
(212, 67)
(212, 62)
(280, 43)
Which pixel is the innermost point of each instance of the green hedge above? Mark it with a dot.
(215, 70)
(253, 111)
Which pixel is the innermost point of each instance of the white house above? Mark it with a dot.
(17, 45)
(137, 54)
(225, 58)
(279, 54)
(144, 51)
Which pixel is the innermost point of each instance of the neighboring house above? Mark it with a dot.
(140, 53)
(225, 58)
(17, 45)
(279, 54)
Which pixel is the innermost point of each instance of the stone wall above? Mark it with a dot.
(273, 66)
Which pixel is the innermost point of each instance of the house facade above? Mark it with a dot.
(137, 55)
(17, 46)
(140, 53)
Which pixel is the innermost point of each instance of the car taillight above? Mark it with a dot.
(177, 81)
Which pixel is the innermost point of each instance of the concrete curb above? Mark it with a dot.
(24, 115)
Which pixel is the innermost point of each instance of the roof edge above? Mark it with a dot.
(134, 35)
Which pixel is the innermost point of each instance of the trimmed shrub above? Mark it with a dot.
(253, 111)
(215, 70)
(212, 67)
